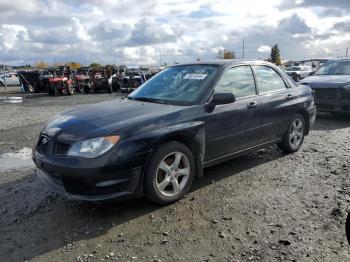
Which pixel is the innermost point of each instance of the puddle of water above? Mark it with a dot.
(12, 99)
(16, 160)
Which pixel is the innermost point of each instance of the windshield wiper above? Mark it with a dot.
(148, 99)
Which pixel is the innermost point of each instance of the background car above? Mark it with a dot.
(9, 78)
(182, 120)
(331, 84)
(299, 72)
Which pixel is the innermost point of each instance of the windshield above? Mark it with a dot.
(83, 71)
(335, 68)
(176, 85)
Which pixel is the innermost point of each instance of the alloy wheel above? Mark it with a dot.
(296, 133)
(172, 174)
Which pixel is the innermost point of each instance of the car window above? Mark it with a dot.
(267, 79)
(237, 80)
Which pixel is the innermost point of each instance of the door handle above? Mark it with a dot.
(252, 104)
(289, 96)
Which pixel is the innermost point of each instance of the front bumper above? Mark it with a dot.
(92, 182)
(342, 106)
(332, 100)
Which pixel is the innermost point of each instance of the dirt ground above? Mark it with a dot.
(261, 207)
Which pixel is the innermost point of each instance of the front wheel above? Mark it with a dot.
(293, 138)
(170, 173)
(69, 89)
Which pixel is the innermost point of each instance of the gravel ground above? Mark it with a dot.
(261, 207)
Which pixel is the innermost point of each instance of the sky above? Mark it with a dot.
(151, 32)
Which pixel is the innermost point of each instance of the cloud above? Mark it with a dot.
(135, 31)
(294, 25)
(264, 49)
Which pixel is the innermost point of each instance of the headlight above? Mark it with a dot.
(93, 147)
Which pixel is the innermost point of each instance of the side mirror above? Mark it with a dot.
(219, 99)
(312, 73)
(223, 98)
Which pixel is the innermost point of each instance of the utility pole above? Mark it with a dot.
(347, 52)
(243, 48)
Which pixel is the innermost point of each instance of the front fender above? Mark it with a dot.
(191, 133)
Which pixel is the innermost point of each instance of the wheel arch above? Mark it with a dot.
(305, 114)
(191, 135)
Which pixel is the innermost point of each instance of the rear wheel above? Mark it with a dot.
(170, 173)
(293, 138)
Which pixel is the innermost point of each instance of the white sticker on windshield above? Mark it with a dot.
(195, 76)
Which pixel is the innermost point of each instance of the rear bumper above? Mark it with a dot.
(117, 181)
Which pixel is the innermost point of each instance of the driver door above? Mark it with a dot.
(234, 127)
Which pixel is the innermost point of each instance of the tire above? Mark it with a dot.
(166, 187)
(109, 89)
(37, 88)
(87, 88)
(69, 89)
(294, 136)
(52, 91)
(1, 84)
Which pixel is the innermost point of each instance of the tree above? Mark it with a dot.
(275, 55)
(226, 54)
(41, 65)
(95, 65)
(74, 65)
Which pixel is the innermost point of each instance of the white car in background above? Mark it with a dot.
(9, 78)
(299, 72)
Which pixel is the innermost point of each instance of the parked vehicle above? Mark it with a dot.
(100, 80)
(132, 79)
(331, 84)
(9, 78)
(182, 120)
(36, 80)
(130, 82)
(61, 82)
(82, 80)
(299, 72)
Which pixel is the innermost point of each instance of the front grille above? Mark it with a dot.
(47, 146)
(345, 94)
(325, 94)
(60, 148)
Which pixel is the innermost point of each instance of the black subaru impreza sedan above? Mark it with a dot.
(158, 139)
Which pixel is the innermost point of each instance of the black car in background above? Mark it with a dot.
(331, 84)
(182, 120)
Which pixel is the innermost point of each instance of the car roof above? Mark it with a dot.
(347, 59)
(227, 62)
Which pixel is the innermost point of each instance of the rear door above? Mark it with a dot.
(236, 126)
(277, 102)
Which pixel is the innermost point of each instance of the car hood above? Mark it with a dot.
(104, 118)
(57, 79)
(327, 81)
